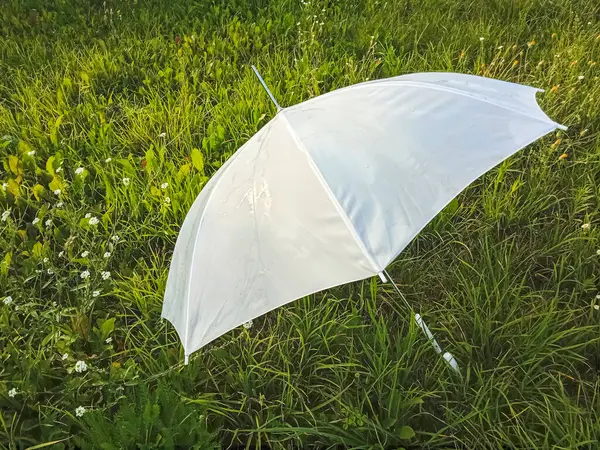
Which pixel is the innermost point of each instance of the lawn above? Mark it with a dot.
(113, 115)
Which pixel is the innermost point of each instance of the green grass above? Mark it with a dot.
(506, 277)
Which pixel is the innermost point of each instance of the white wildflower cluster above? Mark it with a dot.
(80, 366)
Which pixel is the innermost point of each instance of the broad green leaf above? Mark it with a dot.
(107, 327)
(154, 191)
(415, 401)
(197, 160)
(108, 186)
(183, 171)
(5, 265)
(405, 432)
(55, 184)
(451, 208)
(13, 188)
(389, 422)
(126, 166)
(38, 191)
(24, 147)
(54, 131)
(38, 250)
(13, 164)
(150, 159)
(50, 165)
(221, 132)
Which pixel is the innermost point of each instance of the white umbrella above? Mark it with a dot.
(331, 190)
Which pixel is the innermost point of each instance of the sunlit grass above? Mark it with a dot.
(151, 98)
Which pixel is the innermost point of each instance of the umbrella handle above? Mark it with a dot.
(423, 326)
(447, 356)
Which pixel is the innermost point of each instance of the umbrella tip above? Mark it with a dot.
(186, 360)
(451, 362)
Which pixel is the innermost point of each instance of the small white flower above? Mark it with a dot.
(59, 205)
(57, 191)
(12, 392)
(94, 221)
(88, 215)
(248, 325)
(5, 215)
(580, 77)
(50, 272)
(108, 340)
(61, 253)
(59, 170)
(105, 275)
(167, 200)
(482, 38)
(107, 160)
(85, 274)
(4, 186)
(126, 181)
(585, 226)
(34, 221)
(54, 304)
(80, 366)
(115, 238)
(79, 411)
(598, 297)
(164, 185)
(500, 47)
(7, 300)
(95, 294)
(106, 255)
(79, 171)
(48, 222)
(45, 260)
(31, 153)
(162, 135)
(85, 254)
(596, 307)
(65, 356)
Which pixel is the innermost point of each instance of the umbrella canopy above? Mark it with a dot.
(331, 190)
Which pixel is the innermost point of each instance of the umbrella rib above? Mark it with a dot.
(332, 197)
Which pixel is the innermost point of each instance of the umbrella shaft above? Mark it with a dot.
(266, 88)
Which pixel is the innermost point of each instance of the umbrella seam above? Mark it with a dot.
(187, 305)
(267, 129)
(332, 196)
(450, 90)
